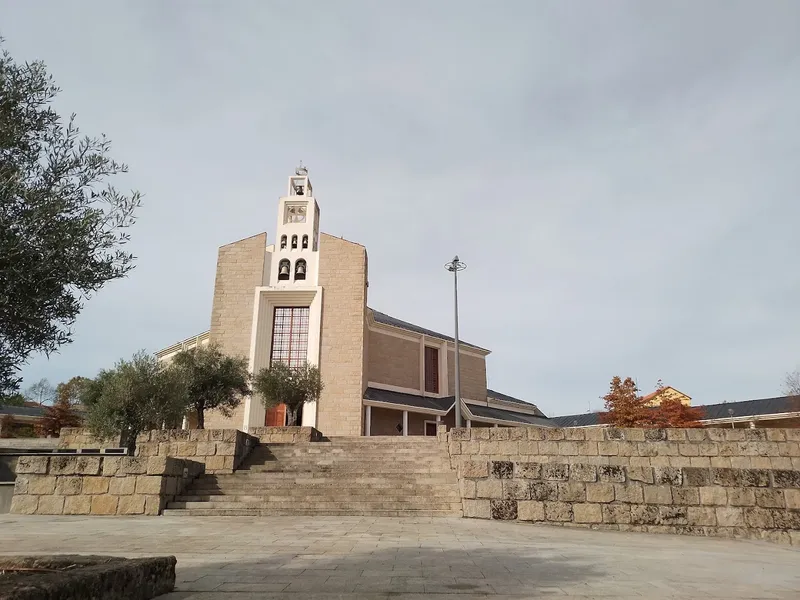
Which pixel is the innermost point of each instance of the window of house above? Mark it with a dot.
(290, 336)
(431, 370)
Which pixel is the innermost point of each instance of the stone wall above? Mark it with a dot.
(78, 438)
(473, 374)
(343, 276)
(99, 485)
(240, 269)
(734, 483)
(285, 435)
(394, 360)
(219, 450)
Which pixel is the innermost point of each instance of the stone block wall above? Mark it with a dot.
(734, 483)
(99, 485)
(79, 438)
(285, 435)
(218, 450)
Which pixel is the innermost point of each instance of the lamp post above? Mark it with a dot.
(454, 267)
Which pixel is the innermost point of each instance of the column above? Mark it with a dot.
(438, 419)
(469, 424)
(405, 422)
(368, 420)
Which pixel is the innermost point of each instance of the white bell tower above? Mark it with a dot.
(295, 261)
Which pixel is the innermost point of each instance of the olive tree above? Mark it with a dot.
(281, 384)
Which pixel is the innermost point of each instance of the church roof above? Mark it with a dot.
(506, 398)
(393, 322)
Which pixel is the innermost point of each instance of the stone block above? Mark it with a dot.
(730, 516)
(716, 434)
(786, 479)
(477, 509)
(508, 448)
(558, 511)
(704, 516)
(468, 488)
(21, 485)
(785, 519)
(728, 449)
(676, 435)
(87, 465)
(470, 447)
(608, 448)
(514, 489)
(110, 465)
(614, 434)
(504, 510)
(502, 469)
(667, 476)
(643, 474)
(741, 497)
(226, 448)
(685, 495)
(645, 514)
(720, 462)
(734, 435)
(681, 461)
(62, 465)
(122, 486)
(688, 449)
(528, 448)
(227, 463)
(655, 435)
(713, 496)
(498, 433)
(131, 505)
(302, 433)
(517, 433)
(488, 448)
(77, 505)
(489, 488)
(535, 433)
(149, 484)
(696, 435)
(792, 498)
(132, 465)
(599, 492)
(760, 518)
(594, 434)
(41, 485)
(587, 448)
(741, 477)
(479, 433)
(69, 486)
(574, 434)
(572, 492)
(697, 477)
(639, 461)
(587, 513)
(778, 463)
(567, 448)
(214, 463)
(544, 490)
(168, 448)
(188, 449)
(657, 494)
(471, 468)
(31, 464)
(555, 472)
(50, 505)
(205, 448)
(611, 473)
(582, 472)
(24, 505)
(95, 485)
(770, 498)
(553, 433)
(630, 493)
(673, 515)
(528, 470)
(147, 449)
(158, 465)
(548, 448)
(616, 513)
(530, 510)
(153, 505)
(198, 435)
(703, 462)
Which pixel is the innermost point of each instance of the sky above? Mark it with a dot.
(621, 178)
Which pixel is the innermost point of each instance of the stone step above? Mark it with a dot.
(321, 503)
(304, 487)
(251, 478)
(254, 512)
(332, 495)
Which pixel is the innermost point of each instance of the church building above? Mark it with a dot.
(303, 298)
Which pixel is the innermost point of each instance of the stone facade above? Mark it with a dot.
(240, 269)
(79, 438)
(394, 360)
(733, 483)
(285, 435)
(218, 450)
(473, 375)
(99, 485)
(343, 277)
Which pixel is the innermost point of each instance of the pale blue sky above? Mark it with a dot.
(621, 177)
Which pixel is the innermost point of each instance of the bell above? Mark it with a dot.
(301, 269)
(284, 269)
(298, 189)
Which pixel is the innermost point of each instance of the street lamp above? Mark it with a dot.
(454, 267)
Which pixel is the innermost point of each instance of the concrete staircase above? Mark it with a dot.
(375, 476)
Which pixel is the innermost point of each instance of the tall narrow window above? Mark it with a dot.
(431, 370)
(305, 242)
(283, 242)
(290, 336)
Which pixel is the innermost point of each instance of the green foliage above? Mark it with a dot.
(62, 227)
(135, 396)
(13, 400)
(211, 380)
(280, 384)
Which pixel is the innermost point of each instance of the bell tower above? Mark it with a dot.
(295, 260)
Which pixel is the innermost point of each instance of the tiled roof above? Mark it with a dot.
(507, 398)
(490, 412)
(22, 411)
(746, 408)
(377, 395)
(387, 320)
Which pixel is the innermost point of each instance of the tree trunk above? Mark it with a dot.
(292, 414)
(128, 441)
(201, 417)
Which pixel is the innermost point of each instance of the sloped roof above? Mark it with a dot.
(745, 408)
(400, 324)
(22, 411)
(388, 396)
(500, 414)
(506, 398)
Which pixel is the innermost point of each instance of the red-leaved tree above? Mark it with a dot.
(62, 413)
(671, 412)
(624, 406)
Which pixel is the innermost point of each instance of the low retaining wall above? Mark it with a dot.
(80, 577)
(733, 483)
(99, 485)
(219, 450)
(78, 438)
(285, 435)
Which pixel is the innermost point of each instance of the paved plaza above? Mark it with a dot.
(377, 558)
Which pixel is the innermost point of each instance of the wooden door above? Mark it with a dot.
(276, 416)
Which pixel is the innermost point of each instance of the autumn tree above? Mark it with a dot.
(281, 384)
(62, 226)
(624, 406)
(212, 380)
(63, 412)
(671, 412)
